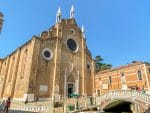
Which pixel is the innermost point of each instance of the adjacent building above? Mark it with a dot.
(131, 76)
(55, 64)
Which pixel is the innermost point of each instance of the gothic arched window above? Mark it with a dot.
(139, 73)
(110, 80)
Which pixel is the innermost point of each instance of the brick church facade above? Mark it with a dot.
(56, 63)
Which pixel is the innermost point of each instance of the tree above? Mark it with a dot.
(1, 21)
(99, 65)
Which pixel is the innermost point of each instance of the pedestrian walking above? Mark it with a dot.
(7, 105)
(2, 106)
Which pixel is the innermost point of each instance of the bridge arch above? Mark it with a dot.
(118, 106)
(140, 99)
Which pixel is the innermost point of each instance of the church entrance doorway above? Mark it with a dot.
(70, 85)
(70, 89)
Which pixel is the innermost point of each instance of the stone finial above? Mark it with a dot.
(83, 31)
(72, 12)
(58, 15)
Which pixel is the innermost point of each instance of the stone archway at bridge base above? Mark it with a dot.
(140, 106)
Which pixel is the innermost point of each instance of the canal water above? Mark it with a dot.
(103, 112)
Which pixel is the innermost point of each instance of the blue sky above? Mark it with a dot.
(118, 30)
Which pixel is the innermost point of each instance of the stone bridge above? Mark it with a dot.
(88, 103)
(135, 97)
(138, 100)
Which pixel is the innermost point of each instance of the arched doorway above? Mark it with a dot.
(70, 85)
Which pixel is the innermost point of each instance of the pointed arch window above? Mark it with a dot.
(139, 74)
(110, 80)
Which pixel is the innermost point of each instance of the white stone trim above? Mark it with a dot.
(51, 53)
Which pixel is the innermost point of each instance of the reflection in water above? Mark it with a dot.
(112, 112)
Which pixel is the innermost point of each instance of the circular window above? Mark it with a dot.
(47, 54)
(72, 45)
(72, 31)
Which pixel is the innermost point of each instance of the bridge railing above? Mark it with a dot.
(125, 94)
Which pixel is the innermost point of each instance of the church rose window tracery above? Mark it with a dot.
(72, 45)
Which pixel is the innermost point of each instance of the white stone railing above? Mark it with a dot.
(124, 94)
(89, 102)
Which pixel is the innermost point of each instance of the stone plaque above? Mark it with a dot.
(43, 88)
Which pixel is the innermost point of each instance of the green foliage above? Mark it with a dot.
(99, 65)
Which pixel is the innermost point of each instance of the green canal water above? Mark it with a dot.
(117, 112)
(112, 112)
